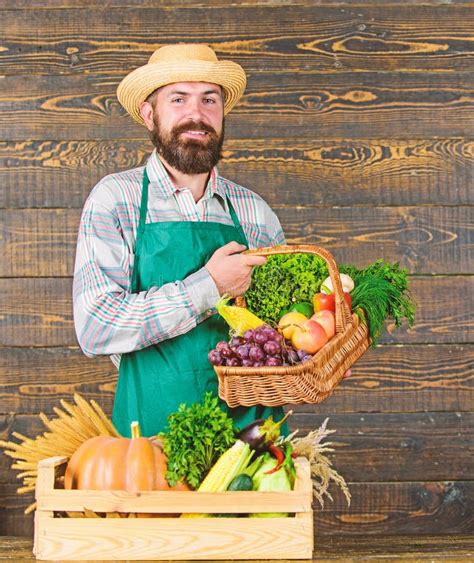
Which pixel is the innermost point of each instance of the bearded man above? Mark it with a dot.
(159, 244)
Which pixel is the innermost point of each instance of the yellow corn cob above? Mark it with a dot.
(239, 319)
(229, 465)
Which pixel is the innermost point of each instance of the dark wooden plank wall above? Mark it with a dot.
(357, 127)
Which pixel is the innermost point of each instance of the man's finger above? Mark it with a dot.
(347, 374)
(231, 248)
(254, 260)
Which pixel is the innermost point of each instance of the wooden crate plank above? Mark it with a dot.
(377, 446)
(141, 538)
(285, 172)
(434, 240)
(179, 502)
(386, 379)
(51, 499)
(383, 509)
(328, 39)
(408, 104)
(333, 548)
(444, 312)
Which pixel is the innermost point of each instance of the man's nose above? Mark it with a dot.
(194, 110)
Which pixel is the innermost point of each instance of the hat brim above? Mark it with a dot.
(135, 88)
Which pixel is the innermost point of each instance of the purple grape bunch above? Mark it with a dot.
(262, 346)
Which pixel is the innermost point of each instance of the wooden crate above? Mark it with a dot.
(145, 537)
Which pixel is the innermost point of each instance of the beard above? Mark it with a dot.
(190, 156)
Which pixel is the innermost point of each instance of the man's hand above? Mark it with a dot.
(230, 270)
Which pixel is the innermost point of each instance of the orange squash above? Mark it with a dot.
(109, 463)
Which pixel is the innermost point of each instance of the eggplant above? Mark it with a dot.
(261, 433)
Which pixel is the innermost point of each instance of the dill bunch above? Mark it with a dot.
(381, 292)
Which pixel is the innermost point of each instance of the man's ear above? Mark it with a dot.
(146, 111)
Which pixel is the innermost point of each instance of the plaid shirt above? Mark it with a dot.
(108, 318)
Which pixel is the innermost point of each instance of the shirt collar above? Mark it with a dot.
(164, 187)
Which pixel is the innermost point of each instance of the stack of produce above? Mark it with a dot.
(290, 313)
(377, 293)
(200, 450)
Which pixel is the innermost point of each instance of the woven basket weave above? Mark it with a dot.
(308, 382)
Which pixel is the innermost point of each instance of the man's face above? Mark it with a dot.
(188, 125)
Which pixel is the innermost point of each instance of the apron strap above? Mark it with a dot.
(141, 228)
(236, 221)
(144, 201)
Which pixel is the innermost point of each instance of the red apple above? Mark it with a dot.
(324, 302)
(327, 320)
(310, 336)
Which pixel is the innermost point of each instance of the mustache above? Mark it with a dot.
(194, 126)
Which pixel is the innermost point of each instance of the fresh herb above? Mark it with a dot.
(283, 280)
(381, 291)
(196, 436)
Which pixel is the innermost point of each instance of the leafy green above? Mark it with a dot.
(381, 291)
(196, 436)
(283, 280)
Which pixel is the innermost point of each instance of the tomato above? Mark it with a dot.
(303, 307)
(327, 302)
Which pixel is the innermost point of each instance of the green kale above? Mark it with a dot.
(285, 279)
(196, 436)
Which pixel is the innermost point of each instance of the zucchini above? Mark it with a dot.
(241, 482)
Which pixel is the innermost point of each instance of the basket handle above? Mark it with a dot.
(343, 313)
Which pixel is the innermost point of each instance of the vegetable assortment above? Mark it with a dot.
(376, 293)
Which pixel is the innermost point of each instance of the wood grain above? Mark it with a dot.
(377, 446)
(49, 4)
(388, 508)
(406, 104)
(269, 38)
(283, 171)
(387, 379)
(331, 548)
(46, 319)
(435, 240)
(357, 128)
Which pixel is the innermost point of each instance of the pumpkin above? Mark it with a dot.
(109, 463)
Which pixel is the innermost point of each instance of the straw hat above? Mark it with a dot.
(184, 62)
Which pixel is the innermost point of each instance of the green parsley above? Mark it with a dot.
(196, 436)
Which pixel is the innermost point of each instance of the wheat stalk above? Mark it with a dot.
(74, 425)
(322, 471)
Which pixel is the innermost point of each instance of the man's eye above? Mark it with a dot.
(177, 100)
(209, 101)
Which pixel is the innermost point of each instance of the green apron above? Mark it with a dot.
(154, 381)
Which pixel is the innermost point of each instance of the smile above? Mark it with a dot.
(195, 133)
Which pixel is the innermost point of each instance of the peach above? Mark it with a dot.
(290, 321)
(327, 320)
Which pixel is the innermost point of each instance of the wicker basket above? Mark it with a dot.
(308, 382)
